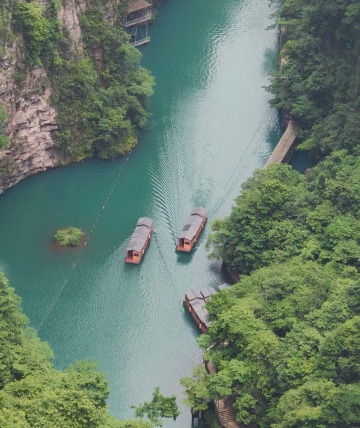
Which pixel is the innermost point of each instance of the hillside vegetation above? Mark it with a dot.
(286, 338)
(34, 394)
(98, 87)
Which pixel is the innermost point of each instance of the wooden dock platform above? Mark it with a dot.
(139, 14)
(141, 42)
(285, 147)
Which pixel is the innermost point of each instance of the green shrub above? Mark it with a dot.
(35, 27)
(70, 236)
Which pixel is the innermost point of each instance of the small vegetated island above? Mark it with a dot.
(69, 237)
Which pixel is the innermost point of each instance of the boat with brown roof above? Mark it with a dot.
(192, 229)
(195, 302)
(139, 240)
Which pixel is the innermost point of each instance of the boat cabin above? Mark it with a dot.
(192, 297)
(195, 303)
(192, 229)
(139, 240)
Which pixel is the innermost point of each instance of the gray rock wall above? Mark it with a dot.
(31, 118)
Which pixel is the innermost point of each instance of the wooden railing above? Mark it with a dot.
(141, 42)
(139, 20)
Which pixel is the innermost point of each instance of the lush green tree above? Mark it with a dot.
(339, 354)
(262, 222)
(298, 362)
(318, 82)
(100, 90)
(30, 17)
(319, 404)
(306, 406)
(21, 353)
(282, 327)
(159, 407)
(198, 395)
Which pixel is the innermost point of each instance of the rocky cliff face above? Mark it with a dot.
(91, 74)
(31, 119)
(30, 122)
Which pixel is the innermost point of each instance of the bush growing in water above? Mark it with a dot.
(70, 236)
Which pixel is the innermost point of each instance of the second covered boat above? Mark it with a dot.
(192, 229)
(139, 240)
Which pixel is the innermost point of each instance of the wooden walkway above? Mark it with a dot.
(141, 42)
(140, 20)
(285, 147)
(224, 412)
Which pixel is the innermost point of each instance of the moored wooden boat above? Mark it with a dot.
(139, 240)
(191, 231)
(195, 303)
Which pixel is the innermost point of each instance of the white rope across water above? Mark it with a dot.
(236, 174)
(92, 229)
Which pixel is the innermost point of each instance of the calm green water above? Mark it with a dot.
(211, 127)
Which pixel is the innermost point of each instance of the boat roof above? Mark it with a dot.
(140, 234)
(145, 221)
(202, 313)
(192, 295)
(135, 5)
(193, 223)
(199, 211)
(207, 292)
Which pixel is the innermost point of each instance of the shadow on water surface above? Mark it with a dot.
(270, 61)
(301, 161)
(185, 258)
(190, 321)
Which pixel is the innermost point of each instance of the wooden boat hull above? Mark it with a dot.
(188, 248)
(137, 259)
(200, 325)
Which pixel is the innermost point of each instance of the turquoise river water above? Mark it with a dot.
(211, 127)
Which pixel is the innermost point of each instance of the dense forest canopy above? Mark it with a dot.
(32, 392)
(286, 339)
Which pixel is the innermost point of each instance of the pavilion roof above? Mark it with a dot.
(135, 5)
